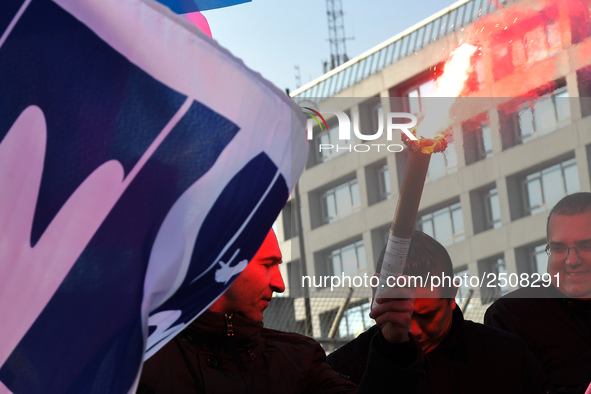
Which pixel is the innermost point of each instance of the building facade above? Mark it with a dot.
(519, 140)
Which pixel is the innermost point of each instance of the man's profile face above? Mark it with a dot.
(573, 268)
(252, 291)
(432, 317)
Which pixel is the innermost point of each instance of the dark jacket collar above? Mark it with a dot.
(551, 292)
(215, 327)
(453, 345)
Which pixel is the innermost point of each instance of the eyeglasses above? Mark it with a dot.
(562, 251)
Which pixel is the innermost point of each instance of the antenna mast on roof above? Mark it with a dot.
(336, 34)
(297, 76)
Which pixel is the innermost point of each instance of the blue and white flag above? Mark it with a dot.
(138, 162)
(185, 6)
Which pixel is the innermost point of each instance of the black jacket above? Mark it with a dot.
(205, 358)
(557, 330)
(473, 358)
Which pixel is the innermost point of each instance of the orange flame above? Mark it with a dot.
(426, 145)
(449, 85)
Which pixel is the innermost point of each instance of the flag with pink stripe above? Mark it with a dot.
(136, 156)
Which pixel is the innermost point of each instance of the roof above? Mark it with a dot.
(404, 44)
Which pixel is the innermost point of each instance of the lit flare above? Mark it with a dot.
(449, 85)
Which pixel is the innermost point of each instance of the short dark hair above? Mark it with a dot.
(573, 204)
(425, 257)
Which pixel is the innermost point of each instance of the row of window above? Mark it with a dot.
(445, 224)
(531, 40)
(543, 188)
(529, 259)
(536, 190)
(341, 200)
(521, 120)
(350, 259)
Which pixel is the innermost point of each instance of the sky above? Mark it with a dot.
(273, 36)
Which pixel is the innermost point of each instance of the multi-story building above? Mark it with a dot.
(520, 140)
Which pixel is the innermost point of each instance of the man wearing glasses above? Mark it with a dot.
(556, 320)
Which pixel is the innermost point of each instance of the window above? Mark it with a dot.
(584, 84)
(538, 43)
(377, 178)
(580, 20)
(446, 225)
(492, 209)
(355, 321)
(290, 228)
(486, 210)
(294, 279)
(542, 189)
(539, 259)
(384, 182)
(375, 114)
(493, 265)
(534, 118)
(477, 139)
(370, 118)
(330, 136)
(443, 163)
(379, 237)
(464, 293)
(410, 95)
(340, 201)
(543, 116)
(476, 77)
(417, 93)
(348, 260)
(527, 42)
(532, 258)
